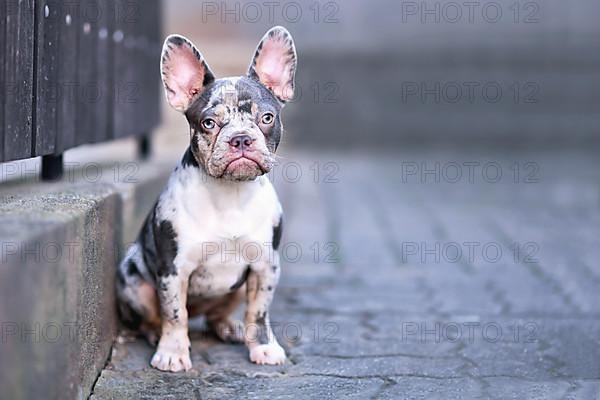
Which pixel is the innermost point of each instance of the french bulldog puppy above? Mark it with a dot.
(211, 240)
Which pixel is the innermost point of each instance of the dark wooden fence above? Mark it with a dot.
(76, 72)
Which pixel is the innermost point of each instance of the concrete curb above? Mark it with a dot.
(60, 243)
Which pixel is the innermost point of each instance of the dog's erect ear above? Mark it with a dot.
(184, 72)
(274, 63)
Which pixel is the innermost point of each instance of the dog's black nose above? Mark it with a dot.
(241, 142)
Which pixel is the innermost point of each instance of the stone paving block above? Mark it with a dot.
(430, 389)
(349, 336)
(347, 301)
(518, 360)
(583, 390)
(230, 386)
(515, 283)
(574, 345)
(515, 388)
(220, 371)
(380, 366)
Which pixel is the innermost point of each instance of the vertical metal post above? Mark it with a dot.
(144, 147)
(52, 167)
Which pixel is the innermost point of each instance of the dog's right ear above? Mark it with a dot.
(184, 72)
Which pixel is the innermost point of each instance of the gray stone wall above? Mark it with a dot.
(59, 245)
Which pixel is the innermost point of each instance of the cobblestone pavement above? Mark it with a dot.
(478, 286)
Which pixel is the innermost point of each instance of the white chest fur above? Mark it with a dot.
(222, 228)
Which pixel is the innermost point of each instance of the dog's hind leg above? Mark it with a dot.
(137, 300)
(218, 314)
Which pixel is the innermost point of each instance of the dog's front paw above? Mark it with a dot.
(171, 359)
(270, 354)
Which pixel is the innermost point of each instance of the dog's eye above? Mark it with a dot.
(267, 119)
(209, 124)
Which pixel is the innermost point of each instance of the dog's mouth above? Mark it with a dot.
(241, 161)
(245, 166)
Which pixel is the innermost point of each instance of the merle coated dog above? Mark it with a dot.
(211, 239)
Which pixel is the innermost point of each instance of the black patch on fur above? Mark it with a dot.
(208, 76)
(132, 269)
(177, 41)
(242, 279)
(120, 278)
(277, 232)
(188, 159)
(130, 318)
(263, 331)
(147, 243)
(246, 107)
(166, 246)
(158, 242)
(194, 144)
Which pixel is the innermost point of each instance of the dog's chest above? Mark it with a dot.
(224, 256)
(212, 279)
(221, 235)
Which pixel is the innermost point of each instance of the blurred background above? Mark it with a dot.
(439, 167)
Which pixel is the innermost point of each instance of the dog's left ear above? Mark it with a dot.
(184, 72)
(274, 63)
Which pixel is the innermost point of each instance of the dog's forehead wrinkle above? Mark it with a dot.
(243, 93)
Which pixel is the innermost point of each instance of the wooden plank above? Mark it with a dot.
(18, 79)
(132, 92)
(154, 35)
(145, 58)
(146, 67)
(121, 73)
(87, 91)
(143, 79)
(47, 89)
(136, 66)
(104, 48)
(67, 77)
(142, 67)
(2, 81)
